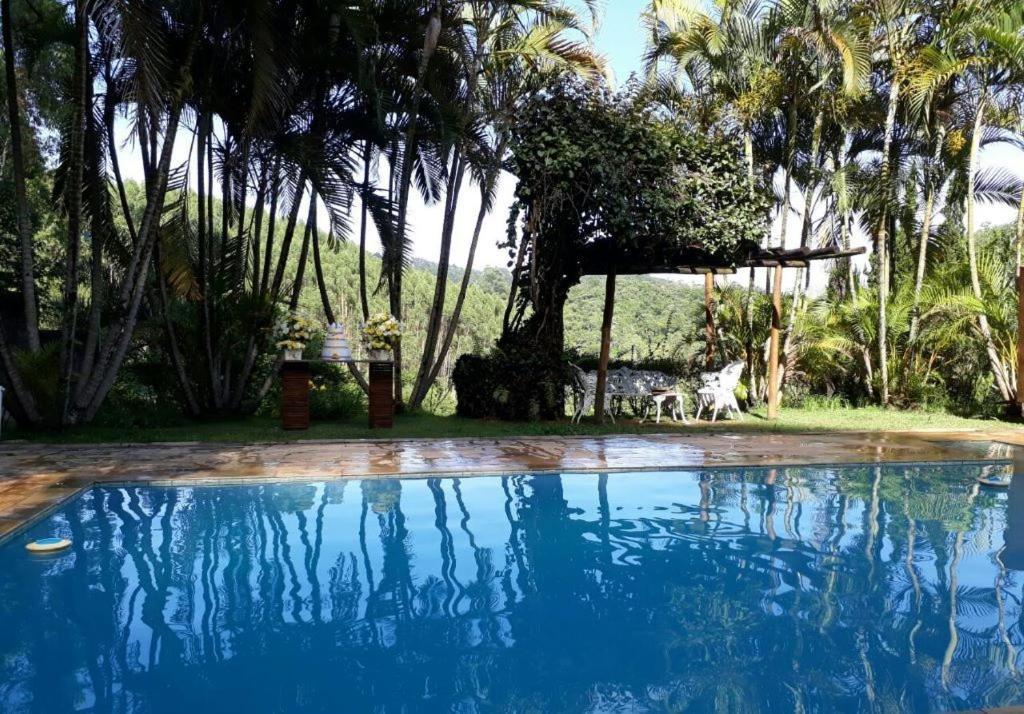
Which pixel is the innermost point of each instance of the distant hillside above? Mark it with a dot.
(653, 318)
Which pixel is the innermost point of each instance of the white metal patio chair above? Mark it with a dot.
(719, 391)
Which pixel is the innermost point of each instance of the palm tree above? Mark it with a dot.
(982, 51)
(727, 53)
(21, 207)
(155, 49)
(896, 22)
(508, 48)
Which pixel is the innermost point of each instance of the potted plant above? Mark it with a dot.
(379, 335)
(294, 333)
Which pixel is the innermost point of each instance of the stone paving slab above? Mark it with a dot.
(35, 477)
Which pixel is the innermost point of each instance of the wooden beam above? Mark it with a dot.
(606, 344)
(773, 349)
(709, 320)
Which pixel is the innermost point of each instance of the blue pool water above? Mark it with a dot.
(895, 588)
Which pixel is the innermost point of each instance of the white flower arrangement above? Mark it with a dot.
(294, 332)
(381, 331)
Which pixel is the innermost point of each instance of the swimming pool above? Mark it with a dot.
(828, 589)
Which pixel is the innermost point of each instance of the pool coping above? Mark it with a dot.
(36, 478)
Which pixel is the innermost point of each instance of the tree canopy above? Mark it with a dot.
(619, 171)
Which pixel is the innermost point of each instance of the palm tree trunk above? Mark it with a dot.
(996, 363)
(204, 239)
(787, 192)
(130, 298)
(453, 322)
(926, 229)
(748, 307)
(363, 301)
(227, 205)
(24, 406)
(318, 270)
(73, 207)
(430, 41)
(881, 244)
(173, 347)
(289, 235)
(777, 347)
(268, 250)
(805, 227)
(842, 159)
(300, 268)
(1020, 229)
(109, 107)
(21, 207)
(257, 227)
(99, 208)
(453, 190)
(812, 184)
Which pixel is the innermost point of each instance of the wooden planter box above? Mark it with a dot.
(382, 395)
(295, 395)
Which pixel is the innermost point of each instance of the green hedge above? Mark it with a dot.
(511, 385)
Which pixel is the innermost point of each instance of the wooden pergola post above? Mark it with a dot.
(709, 319)
(606, 344)
(773, 349)
(1020, 341)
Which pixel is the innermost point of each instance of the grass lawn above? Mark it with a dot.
(431, 426)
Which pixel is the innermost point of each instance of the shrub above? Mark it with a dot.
(143, 397)
(333, 394)
(514, 384)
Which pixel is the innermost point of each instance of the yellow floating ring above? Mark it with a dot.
(48, 545)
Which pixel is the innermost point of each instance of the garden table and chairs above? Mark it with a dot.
(643, 389)
(647, 390)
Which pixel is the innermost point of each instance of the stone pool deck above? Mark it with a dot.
(35, 477)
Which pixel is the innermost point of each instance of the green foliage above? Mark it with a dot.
(946, 367)
(139, 400)
(599, 167)
(511, 383)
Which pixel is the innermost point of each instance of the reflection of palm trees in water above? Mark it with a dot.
(615, 592)
(453, 589)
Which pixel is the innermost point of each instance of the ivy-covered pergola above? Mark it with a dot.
(604, 259)
(615, 184)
